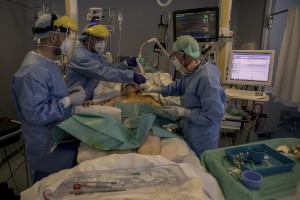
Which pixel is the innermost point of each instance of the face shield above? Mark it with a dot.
(183, 63)
(68, 43)
(96, 44)
(179, 66)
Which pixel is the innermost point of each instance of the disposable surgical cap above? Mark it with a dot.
(43, 22)
(188, 45)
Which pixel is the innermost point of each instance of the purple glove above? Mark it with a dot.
(132, 62)
(138, 78)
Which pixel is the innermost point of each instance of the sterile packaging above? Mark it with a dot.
(113, 180)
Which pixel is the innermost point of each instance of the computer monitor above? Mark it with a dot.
(201, 23)
(251, 67)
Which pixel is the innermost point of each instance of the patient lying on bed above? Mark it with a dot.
(130, 94)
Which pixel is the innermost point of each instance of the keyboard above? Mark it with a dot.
(245, 94)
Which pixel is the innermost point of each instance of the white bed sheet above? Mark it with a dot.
(201, 185)
(173, 149)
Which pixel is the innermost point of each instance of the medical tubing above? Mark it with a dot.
(245, 132)
(141, 67)
(140, 53)
(119, 44)
(163, 50)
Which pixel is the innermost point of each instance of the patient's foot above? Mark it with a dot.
(150, 146)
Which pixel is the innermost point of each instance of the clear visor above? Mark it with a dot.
(71, 34)
(70, 42)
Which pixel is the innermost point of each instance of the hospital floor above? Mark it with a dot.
(19, 180)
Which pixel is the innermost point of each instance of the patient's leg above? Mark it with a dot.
(150, 146)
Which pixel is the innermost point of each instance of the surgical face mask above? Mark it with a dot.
(66, 46)
(100, 46)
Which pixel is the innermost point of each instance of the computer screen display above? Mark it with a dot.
(251, 67)
(201, 23)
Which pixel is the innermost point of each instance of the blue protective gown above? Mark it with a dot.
(85, 69)
(37, 89)
(203, 94)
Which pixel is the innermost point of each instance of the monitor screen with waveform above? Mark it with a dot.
(200, 23)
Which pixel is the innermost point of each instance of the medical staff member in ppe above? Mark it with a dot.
(87, 66)
(40, 95)
(203, 97)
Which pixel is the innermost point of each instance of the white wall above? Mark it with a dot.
(16, 40)
(248, 26)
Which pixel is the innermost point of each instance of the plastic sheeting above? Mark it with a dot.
(192, 189)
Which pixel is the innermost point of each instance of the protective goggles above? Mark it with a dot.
(177, 54)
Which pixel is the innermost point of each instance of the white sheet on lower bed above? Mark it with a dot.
(173, 149)
(195, 188)
(191, 189)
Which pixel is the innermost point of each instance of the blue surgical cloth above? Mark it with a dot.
(132, 110)
(37, 89)
(104, 132)
(86, 69)
(203, 94)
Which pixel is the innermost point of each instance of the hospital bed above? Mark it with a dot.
(174, 151)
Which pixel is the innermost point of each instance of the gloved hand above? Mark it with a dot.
(177, 111)
(148, 89)
(131, 62)
(77, 98)
(138, 78)
(76, 89)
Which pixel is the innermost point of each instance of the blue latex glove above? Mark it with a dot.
(132, 62)
(77, 98)
(177, 111)
(138, 78)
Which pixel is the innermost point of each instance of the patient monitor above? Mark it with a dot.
(250, 67)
